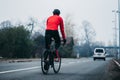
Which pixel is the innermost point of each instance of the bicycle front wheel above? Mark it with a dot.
(57, 63)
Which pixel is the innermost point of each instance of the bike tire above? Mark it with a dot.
(44, 55)
(56, 67)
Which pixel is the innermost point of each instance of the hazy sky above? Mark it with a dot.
(97, 12)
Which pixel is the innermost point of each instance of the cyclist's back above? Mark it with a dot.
(53, 22)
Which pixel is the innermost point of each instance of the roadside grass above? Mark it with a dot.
(113, 71)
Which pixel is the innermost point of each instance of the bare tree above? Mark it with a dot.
(69, 26)
(42, 27)
(89, 36)
(89, 32)
(31, 24)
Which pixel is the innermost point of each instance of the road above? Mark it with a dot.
(72, 69)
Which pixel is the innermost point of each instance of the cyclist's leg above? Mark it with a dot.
(47, 42)
(49, 36)
(57, 58)
(47, 46)
(57, 43)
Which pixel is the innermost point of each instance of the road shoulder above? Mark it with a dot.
(112, 71)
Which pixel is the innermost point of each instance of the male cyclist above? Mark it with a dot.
(52, 30)
(52, 24)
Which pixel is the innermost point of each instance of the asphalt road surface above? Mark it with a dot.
(71, 69)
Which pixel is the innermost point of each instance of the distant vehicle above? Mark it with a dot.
(99, 53)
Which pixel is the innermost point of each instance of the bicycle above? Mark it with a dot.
(49, 58)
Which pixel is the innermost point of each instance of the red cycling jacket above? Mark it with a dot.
(53, 22)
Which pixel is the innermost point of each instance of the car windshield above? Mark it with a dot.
(99, 50)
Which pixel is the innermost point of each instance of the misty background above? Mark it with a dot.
(97, 12)
(88, 23)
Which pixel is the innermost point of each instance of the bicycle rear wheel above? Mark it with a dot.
(45, 62)
(57, 63)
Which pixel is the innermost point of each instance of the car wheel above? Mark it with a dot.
(104, 59)
(94, 59)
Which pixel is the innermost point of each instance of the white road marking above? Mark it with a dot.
(73, 62)
(63, 64)
(10, 71)
(116, 62)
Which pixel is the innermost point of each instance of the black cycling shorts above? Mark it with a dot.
(49, 34)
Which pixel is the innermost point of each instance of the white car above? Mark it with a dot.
(99, 53)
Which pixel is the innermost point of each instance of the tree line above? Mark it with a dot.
(21, 41)
(18, 42)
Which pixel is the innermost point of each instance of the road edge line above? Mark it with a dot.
(116, 63)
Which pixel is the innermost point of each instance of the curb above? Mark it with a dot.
(118, 64)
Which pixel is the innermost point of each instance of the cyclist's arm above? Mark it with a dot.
(62, 29)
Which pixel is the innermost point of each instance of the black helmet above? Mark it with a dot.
(56, 12)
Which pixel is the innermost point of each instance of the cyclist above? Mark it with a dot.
(52, 24)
